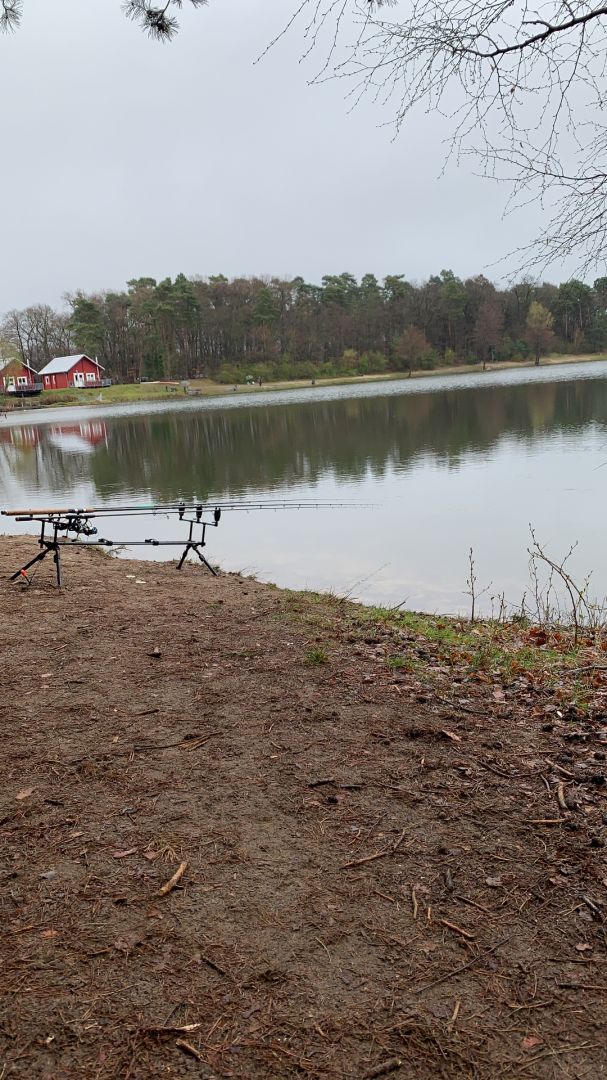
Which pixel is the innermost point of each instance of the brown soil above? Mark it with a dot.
(373, 885)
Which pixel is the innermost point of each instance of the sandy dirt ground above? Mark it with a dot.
(380, 870)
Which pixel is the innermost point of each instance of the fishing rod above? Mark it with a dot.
(57, 523)
(111, 510)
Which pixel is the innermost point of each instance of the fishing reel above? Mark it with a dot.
(76, 524)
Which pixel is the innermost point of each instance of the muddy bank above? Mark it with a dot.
(393, 832)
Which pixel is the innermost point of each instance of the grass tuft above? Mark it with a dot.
(316, 655)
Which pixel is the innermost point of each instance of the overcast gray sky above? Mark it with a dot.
(122, 157)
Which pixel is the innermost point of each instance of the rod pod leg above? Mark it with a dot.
(37, 558)
(194, 547)
(57, 561)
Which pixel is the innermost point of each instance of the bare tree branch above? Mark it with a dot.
(549, 29)
(527, 106)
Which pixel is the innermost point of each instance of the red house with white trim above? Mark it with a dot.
(17, 377)
(73, 371)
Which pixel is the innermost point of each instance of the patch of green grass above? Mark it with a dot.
(440, 631)
(489, 655)
(530, 657)
(316, 655)
(399, 663)
(580, 696)
(501, 649)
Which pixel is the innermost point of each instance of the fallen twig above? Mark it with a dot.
(141, 749)
(560, 795)
(473, 903)
(166, 1029)
(397, 843)
(562, 1050)
(463, 967)
(494, 769)
(378, 854)
(455, 1014)
(384, 896)
(458, 929)
(414, 902)
(559, 768)
(595, 909)
(212, 964)
(366, 859)
(546, 821)
(195, 743)
(172, 882)
(189, 1049)
(383, 1068)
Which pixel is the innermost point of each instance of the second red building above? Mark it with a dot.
(72, 371)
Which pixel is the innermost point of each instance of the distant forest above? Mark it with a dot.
(267, 329)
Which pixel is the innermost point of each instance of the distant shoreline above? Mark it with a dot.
(126, 394)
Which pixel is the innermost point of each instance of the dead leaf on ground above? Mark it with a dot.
(25, 793)
(450, 735)
(582, 946)
(530, 1041)
(129, 941)
(49, 933)
(123, 854)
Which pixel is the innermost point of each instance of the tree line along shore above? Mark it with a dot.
(275, 330)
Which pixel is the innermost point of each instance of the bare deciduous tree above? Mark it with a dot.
(37, 334)
(523, 84)
(521, 80)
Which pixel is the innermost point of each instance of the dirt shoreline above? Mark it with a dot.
(395, 849)
(206, 389)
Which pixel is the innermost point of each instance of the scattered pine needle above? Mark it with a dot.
(457, 929)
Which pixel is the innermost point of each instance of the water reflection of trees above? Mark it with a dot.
(254, 448)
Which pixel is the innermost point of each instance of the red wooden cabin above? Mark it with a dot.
(17, 377)
(73, 371)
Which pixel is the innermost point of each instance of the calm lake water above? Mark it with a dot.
(448, 464)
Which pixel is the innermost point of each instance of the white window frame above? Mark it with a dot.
(22, 380)
(91, 376)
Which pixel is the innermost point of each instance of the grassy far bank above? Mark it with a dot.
(165, 391)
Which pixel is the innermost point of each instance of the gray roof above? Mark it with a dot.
(61, 364)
